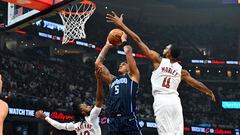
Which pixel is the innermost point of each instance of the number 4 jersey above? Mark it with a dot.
(166, 78)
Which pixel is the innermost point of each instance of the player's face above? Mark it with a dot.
(123, 68)
(85, 108)
(166, 51)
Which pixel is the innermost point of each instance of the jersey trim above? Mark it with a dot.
(131, 95)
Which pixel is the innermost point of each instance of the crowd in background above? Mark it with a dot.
(47, 84)
(55, 86)
(31, 82)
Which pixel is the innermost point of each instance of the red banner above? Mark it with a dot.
(60, 116)
(32, 4)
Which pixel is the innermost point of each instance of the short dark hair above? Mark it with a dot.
(175, 51)
(77, 113)
(125, 61)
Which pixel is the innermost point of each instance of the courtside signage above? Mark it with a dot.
(231, 104)
(24, 112)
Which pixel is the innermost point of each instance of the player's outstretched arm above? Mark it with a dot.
(134, 72)
(99, 93)
(150, 54)
(196, 84)
(60, 126)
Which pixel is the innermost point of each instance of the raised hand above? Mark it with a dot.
(40, 115)
(114, 18)
(127, 48)
(109, 45)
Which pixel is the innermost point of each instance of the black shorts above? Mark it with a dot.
(124, 125)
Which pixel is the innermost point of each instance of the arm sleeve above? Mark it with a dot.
(60, 126)
(94, 113)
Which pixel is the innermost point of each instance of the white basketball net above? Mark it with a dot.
(74, 19)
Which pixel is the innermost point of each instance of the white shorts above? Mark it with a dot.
(169, 116)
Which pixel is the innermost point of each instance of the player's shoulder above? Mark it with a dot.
(178, 65)
(3, 104)
(164, 59)
(96, 110)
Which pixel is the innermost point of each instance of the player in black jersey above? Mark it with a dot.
(3, 109)
(123, 90)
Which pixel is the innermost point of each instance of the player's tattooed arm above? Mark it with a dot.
(99, 93)
(101, 57)
(152, 55)
(104, 73)
(134, 72)
(196, 84)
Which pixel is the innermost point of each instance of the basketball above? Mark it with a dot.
(78, 61)
(114, 37)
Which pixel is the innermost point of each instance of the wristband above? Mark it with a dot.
(125, 43)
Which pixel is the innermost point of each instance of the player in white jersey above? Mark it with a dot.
(86, 121)
(3, 109)
(165, 79)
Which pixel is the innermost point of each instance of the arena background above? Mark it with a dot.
(41, 73)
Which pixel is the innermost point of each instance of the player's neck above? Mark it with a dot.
(123, 74)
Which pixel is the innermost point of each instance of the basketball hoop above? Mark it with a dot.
(74, 19)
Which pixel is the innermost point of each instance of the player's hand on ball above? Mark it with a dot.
(127, 49)
(108, 44)
(115, 19)
(40, 115)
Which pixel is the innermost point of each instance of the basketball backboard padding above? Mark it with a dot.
(51, 11)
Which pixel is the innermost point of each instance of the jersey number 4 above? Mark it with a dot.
(166, 82)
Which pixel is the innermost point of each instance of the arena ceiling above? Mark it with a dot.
(174, 12)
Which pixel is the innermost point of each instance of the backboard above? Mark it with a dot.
(22, 13)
